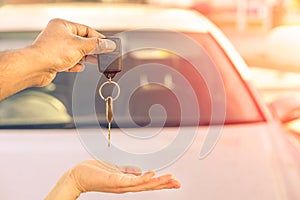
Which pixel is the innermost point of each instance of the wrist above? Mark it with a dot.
(29, 67)
(22, 68)
(65, 189)
(40, 66)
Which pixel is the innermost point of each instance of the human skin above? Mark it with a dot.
(61, 46)
(100, 176)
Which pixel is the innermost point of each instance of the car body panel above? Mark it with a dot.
(252, 172)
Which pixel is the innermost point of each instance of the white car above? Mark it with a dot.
(186, 107)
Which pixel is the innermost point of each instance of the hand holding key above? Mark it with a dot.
(61, 46)
(89, 175)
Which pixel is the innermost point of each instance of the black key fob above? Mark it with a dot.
(111, 63)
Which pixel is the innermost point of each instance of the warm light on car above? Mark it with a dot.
(151, 54)
(186, 107)
(294, 126)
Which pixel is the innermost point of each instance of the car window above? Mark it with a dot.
(158, 88)
(241, 105)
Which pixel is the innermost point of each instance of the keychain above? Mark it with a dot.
(110, 64)
(109, 104)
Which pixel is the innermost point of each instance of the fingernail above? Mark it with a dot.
(149, 175)
(176, 184)
(104, 45)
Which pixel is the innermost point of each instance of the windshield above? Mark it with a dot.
(159, 87)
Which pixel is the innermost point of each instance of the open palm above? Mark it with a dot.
(100, 176)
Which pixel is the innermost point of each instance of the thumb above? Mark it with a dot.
(131, 170)
(99, 46)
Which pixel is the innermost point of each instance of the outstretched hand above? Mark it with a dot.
(61, 46)
(100, 176)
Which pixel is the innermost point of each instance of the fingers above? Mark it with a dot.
(104, 46)
(74, 42)
(132, 176)
(77, 68)
(87, 38)
(158, 183)
(105, 165)
(115, 168)
(131, 170)
(129, 180)
(92, 46)
(172, 184)
(93, 175)
(78, 29)
(92, 59)
(91, 37)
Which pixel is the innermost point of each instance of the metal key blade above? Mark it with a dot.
(109, 109)
(109, 115)
(108, 134)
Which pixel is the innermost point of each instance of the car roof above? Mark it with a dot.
(101, 16)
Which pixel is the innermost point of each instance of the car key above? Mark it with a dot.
(109, 115)
(109, 104)
(111, 63)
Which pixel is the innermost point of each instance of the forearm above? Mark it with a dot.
(64, 189)
(20, 69)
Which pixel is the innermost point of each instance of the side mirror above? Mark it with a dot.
(287, 108)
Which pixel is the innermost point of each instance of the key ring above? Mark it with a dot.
(109, 82)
